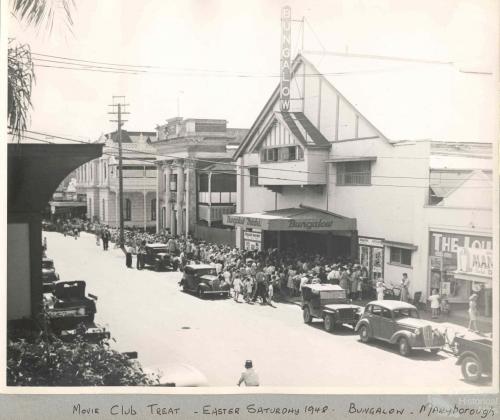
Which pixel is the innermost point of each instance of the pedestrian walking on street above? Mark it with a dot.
(128, 256)
(380, 289)
(249, 377)
(237, 288)
(405, 285)
(97, 236)
(434, 299)
(473, 313)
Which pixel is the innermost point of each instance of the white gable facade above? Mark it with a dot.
(327, 154)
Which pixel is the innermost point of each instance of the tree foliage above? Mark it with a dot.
(42, 13)
(20, 79)
(48, 361)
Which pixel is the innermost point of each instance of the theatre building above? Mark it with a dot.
(375, 160)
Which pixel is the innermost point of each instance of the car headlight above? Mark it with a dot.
(81, 311)
(418, 331)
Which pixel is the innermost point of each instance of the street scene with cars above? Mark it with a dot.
(196, 314)
(294, 213)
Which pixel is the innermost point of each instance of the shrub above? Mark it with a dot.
(48, 361)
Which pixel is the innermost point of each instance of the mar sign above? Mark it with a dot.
(286, 46)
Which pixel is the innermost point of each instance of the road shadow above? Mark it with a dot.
(414, 355)
(340, 330)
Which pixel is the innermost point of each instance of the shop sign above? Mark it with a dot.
(310, 224)
(370, 241)
(242, 221)
(252, 240)
(285, 62)
(252, 236)
(475, 261)
(467, 254)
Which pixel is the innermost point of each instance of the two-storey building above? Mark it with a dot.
(386, 162)
(99, 181)
(196, 177)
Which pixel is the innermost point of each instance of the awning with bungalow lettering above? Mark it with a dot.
(299, 219)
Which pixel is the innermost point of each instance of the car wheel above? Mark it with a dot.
(329, 323)
(404, 346)
(306, 314)
(471, 369)
(364, 336)
(435, 351)
(200, 293)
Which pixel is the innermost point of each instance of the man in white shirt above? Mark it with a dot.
(249, 377)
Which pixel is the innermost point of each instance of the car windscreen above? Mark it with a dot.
(203, 271)
(47, 264)
(332, 294)
(159, 250)
(405, 313)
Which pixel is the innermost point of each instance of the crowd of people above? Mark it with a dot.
(266, 276)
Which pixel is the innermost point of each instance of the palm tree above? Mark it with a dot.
(20, 72)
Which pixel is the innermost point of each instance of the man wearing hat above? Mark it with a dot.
(249, 377)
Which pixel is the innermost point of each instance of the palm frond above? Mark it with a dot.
(20, 79)
(42, 13)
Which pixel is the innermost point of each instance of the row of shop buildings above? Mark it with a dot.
(386, 163)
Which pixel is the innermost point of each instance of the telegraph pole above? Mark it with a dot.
(119, 112)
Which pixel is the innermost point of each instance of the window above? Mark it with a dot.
(254, 176)
(400, 256)
(153, 209)
(282, 154)
(128, 210)
(173, 182)
(103, 209)
(354, 173)
(376, 310)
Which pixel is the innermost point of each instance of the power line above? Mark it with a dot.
(235, 165)
(248, 175)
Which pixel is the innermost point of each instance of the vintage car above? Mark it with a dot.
(399, 323)
(329, 303)
(159, 257)
(48, 226)
(202, 279)
(49, 275)
(89, 333)
(67, 306)
(474, 357)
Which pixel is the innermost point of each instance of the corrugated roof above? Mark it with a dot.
(413, 100)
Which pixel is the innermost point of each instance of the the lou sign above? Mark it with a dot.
(286, 46)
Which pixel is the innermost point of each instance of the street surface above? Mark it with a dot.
(147, 312)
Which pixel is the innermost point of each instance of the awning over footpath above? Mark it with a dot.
(292, 219)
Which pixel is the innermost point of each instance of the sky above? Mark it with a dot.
(199, 46)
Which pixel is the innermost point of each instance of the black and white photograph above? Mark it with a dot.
(251, 196)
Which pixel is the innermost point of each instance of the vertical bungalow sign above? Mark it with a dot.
(286, 46)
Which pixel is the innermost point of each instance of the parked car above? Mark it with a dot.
(67, 306)
(474, 357)
(202, 279)
(49, 275)
(159, 257)
(48, 226)
(329, 303)
(399, 323)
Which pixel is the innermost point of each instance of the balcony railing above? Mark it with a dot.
(213, 214)
(217, 197)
